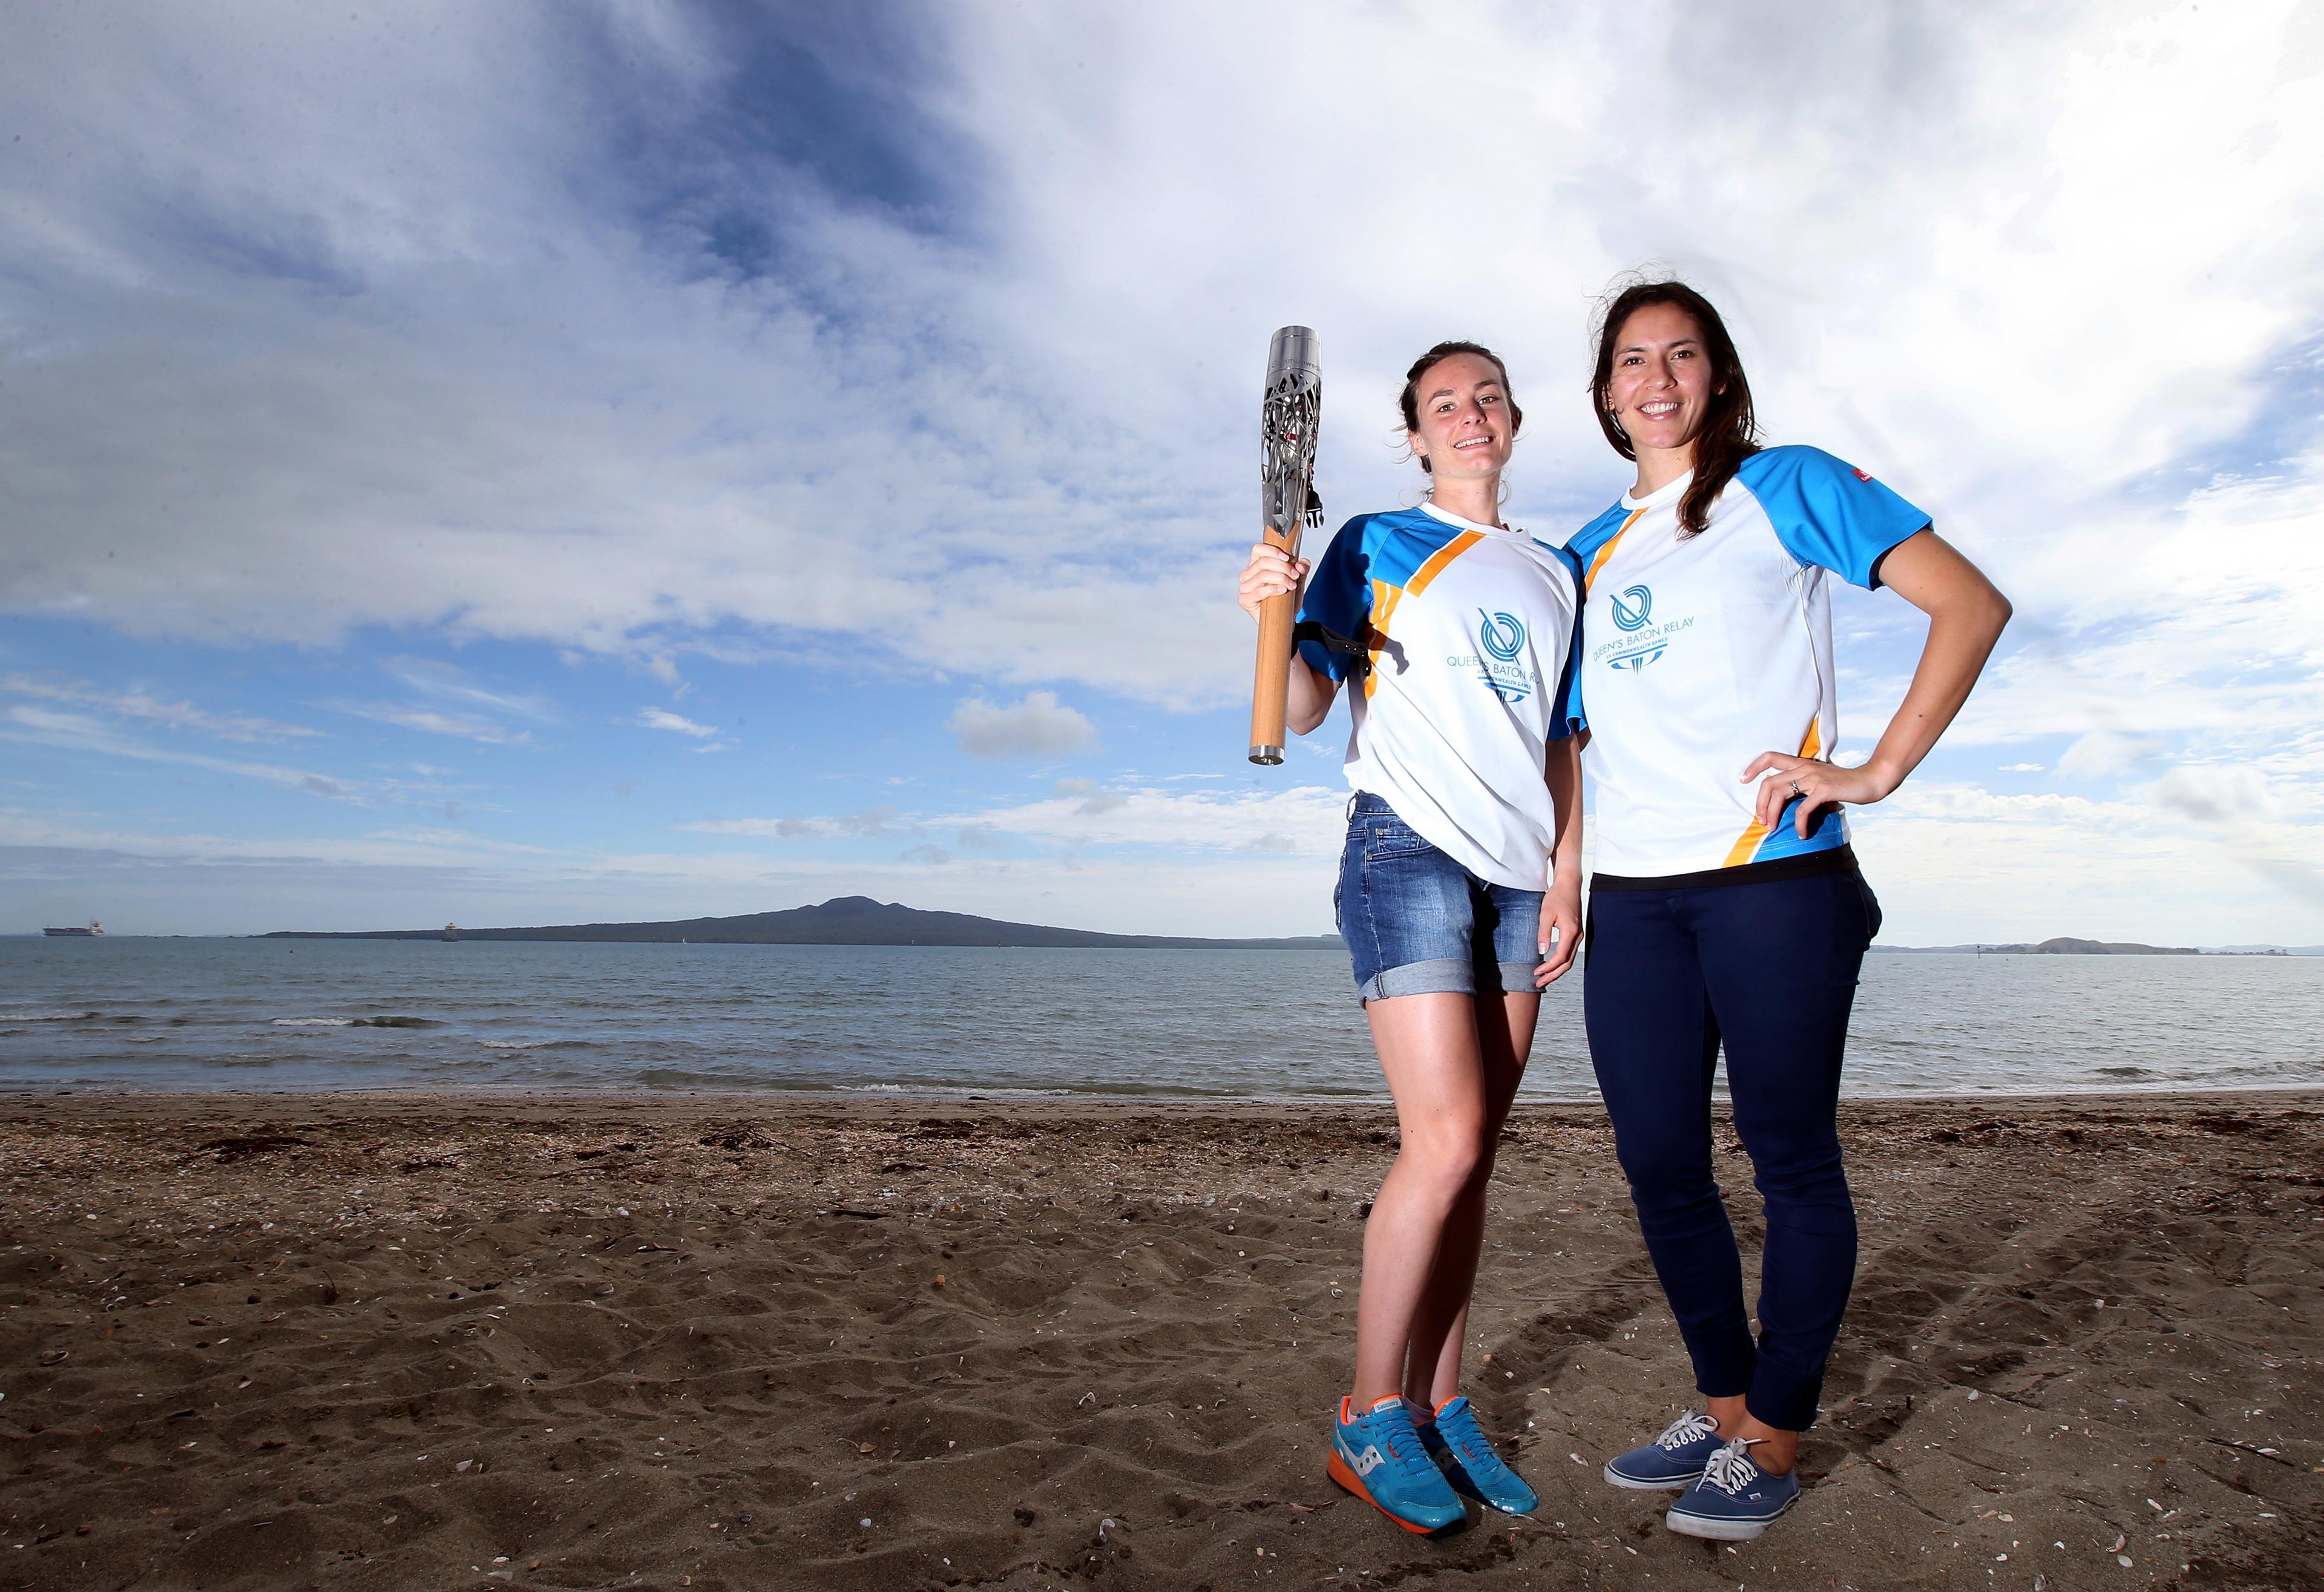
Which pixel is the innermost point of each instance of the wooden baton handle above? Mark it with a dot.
(1271, 682)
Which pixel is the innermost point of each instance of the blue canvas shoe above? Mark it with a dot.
(1379, 1457)
(1467, 1457)
(1675, 1460)
(1735, 1500)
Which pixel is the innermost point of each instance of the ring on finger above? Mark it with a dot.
(1795, 788)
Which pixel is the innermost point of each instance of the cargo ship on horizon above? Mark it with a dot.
(94, 931)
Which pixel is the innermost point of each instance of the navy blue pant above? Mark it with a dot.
(1767, 970)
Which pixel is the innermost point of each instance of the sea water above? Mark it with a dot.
(265, 1015)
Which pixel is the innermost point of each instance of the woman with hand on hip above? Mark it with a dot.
(1451, 631)
(1726, 909)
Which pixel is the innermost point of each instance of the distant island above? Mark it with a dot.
(843, 920)
(2063, 945)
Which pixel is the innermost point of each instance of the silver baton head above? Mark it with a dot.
(1297, 355)
(1289, 412)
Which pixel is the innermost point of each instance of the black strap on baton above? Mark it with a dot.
(1308, 630)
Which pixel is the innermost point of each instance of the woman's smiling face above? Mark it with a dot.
(1660, 389)
(1466, 428)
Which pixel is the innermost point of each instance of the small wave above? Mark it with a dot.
(54, 1017)
(512, 1043)
(389, 1022)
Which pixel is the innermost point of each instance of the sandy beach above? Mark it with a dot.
(729, 1342)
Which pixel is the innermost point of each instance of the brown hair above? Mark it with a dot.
(1409, 400)
(1730, 433)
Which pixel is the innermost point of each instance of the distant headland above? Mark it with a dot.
(845, 920)
(2063, 945)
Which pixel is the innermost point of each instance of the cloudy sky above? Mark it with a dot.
(523, 464)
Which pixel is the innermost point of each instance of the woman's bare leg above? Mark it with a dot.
(1505, 1025)
(1777, 1450)
(1428, 1050)
(1446, 1080)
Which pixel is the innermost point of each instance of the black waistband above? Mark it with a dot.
(1808, 865)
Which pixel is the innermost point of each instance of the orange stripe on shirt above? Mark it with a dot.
(1607, 551)
(1747, 845)
(1443, 557)
(1384, 601)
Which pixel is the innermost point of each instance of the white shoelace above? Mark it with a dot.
(1730, 1471)
(1685, 1429)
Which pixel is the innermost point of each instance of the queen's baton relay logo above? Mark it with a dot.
(1502, 635)
(1642, 640)
(1502, 640)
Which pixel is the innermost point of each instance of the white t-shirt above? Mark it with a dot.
(1696, 655)
(1467, 631)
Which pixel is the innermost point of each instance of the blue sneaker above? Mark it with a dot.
(1467, 1457)
(1735, 1500)
(1675, 1460)
(1379, 1457)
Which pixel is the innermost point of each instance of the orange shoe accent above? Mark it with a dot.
(1346, 1478)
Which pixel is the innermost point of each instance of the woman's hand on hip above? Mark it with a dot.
(1270, 573)
(1816, 783)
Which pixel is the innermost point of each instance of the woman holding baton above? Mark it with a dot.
(1451, 632)
(1726, 909)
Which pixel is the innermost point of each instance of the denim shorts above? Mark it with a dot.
(1417, 922)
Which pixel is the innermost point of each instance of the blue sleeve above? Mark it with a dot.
(1827, 512)
(1569, 718)
(1339, 598)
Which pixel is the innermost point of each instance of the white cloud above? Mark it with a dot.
(2104, 752)
(79, 733)
(2202, 618)
(762, 828)
(144, 705)
(288, 359)
(654, 718)
(430, 721)
(872, 822)
(1306, 821)
(1095, 799)
(1036, 726)
(433, 678)
(663, 719)
(1953, 863)
(1303, 820)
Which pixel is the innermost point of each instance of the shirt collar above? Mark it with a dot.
(1668, 492)
(1450, 518)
